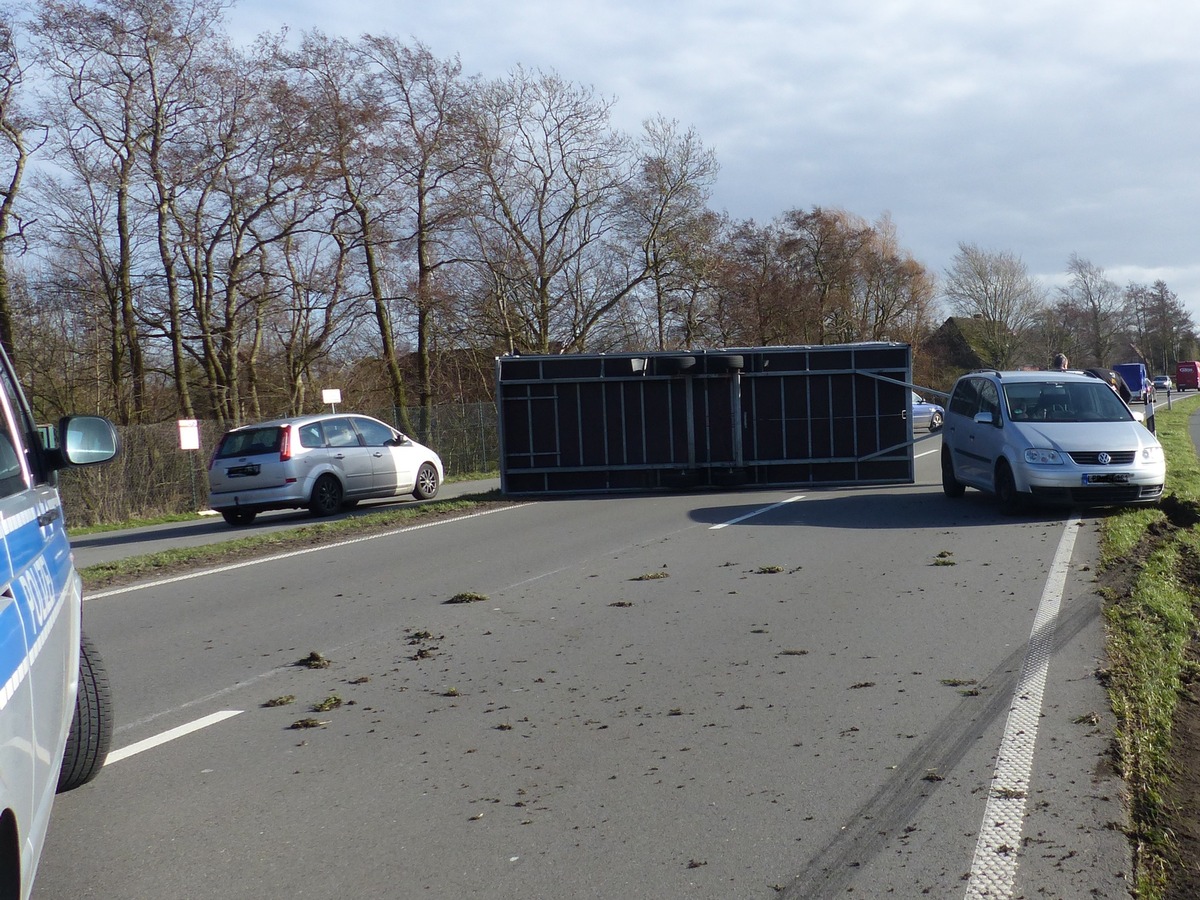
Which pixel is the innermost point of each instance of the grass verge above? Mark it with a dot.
(168, 562)
(1149, 564)
(168, 518)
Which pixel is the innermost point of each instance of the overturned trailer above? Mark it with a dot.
(762, 416)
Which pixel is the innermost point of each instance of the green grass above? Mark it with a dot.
(1149, 632)
(135, 523)
(155, 565)
(168, 518)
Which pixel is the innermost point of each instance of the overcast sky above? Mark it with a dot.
(1039, 127)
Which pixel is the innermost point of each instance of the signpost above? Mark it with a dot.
(189, 439)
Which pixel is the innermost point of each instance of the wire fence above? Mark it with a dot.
(152, 477)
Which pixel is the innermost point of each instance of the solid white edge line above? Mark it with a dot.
(98, 595)
(159, 739)
(757, 512)
(994, 867)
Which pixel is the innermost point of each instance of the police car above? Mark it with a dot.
(55, 710)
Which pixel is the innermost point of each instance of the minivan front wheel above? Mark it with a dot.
(326, 496)
(951, 486)
(1007, 495)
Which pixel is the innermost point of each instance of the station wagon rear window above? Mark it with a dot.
(250, 442)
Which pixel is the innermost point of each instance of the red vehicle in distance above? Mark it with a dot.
(1187, 375)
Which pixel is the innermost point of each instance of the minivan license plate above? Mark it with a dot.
(243, 471)
(1107, 478)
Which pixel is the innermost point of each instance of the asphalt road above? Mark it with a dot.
(743, 694)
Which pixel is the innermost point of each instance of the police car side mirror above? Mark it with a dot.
(84, 441)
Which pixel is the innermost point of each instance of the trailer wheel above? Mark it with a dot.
(674, 365)
(731, 363)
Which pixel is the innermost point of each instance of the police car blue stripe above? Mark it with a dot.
(26, 542)
(15, 663)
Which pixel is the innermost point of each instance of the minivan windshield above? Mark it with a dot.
(1064, 401)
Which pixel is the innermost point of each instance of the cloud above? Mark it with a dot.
(1042, 128)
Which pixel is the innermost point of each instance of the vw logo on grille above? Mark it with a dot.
(1104, 459)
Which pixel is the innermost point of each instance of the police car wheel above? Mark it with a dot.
(91, 727)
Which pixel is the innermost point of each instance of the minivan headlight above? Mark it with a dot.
(1040, 457)
(1152, 454)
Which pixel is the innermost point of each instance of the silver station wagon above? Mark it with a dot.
(322, 462)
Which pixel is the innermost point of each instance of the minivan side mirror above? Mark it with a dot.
(84, 441)
(985, 418)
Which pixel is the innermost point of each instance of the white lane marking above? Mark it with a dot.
(757, 512)
(994, 868)
(159, 739)
(926, 453)
(97, 595)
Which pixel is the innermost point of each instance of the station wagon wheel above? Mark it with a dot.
(935, 421)
(427, 482)
(92, 725)
(951, 486)
(238, 516)
(326, 496)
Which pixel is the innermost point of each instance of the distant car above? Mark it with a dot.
(1163, 383)
(925, 414)
(1055, 437)
(323, 462)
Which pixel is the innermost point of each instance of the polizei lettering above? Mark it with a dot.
(38, 586)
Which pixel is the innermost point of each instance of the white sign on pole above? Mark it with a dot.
(332, 396)
(189, 434)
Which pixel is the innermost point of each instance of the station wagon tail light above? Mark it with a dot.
(285, 445)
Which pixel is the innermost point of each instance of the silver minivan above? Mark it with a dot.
(1052, 437)
(323, 462)
(55, 708)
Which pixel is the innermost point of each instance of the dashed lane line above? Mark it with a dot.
(170, 735)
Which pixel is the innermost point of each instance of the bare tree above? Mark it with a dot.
(551, 173)
(1162, 330)
(1094, 306)
(252, 190)
(426, 104)
(822, 249)
(97, 55)
(182, 56)
(996, 289)
(14, 126)
(894, 300)
(343, 117)
(668, 210)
